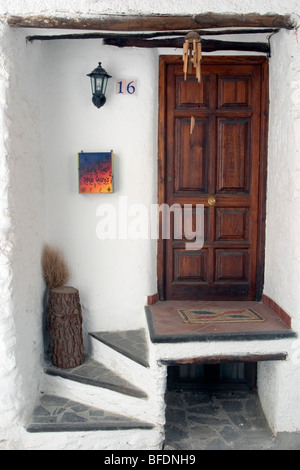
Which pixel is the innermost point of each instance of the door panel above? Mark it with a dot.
(191, 94)
(233, 162)
(234, 91)
(191, 156)
(231, 265)
(215, 162)
(232, 224)
(190, 266)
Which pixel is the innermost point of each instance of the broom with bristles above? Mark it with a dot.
(55, 270)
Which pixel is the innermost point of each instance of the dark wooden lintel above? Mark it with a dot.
(208, 45)
(221, 359)
(131, 36)
(108, 22)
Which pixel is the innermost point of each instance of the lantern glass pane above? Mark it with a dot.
(93, 85)
(105, 80)
(99, 85)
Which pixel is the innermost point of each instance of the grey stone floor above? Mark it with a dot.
(131, 343)
(221, 420)
(92, 372)
(57, 414)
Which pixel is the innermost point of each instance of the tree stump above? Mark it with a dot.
(64, 321)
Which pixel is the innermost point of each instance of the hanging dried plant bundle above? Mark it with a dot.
(55, 269)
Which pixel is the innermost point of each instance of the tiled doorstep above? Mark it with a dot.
(166, 326)
(59, 414)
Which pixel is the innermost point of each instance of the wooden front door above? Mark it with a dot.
(212, 151)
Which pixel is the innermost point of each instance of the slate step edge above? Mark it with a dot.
(130, 343)
(58, 414)
(94, 373)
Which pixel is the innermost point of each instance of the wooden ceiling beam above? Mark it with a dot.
(153, 22)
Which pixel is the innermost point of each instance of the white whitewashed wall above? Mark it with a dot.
(46, 117)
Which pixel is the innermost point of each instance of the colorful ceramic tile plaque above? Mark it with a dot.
(95, 172)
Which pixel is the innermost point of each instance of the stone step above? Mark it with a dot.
(58, 414)
(130, 343)
(92, 372)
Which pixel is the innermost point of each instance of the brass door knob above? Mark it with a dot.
(211, 201)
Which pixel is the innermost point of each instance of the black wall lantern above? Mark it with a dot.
(99, 78)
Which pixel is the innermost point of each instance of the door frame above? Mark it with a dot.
(166, 60)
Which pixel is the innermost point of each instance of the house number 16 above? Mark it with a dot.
(126, 87)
